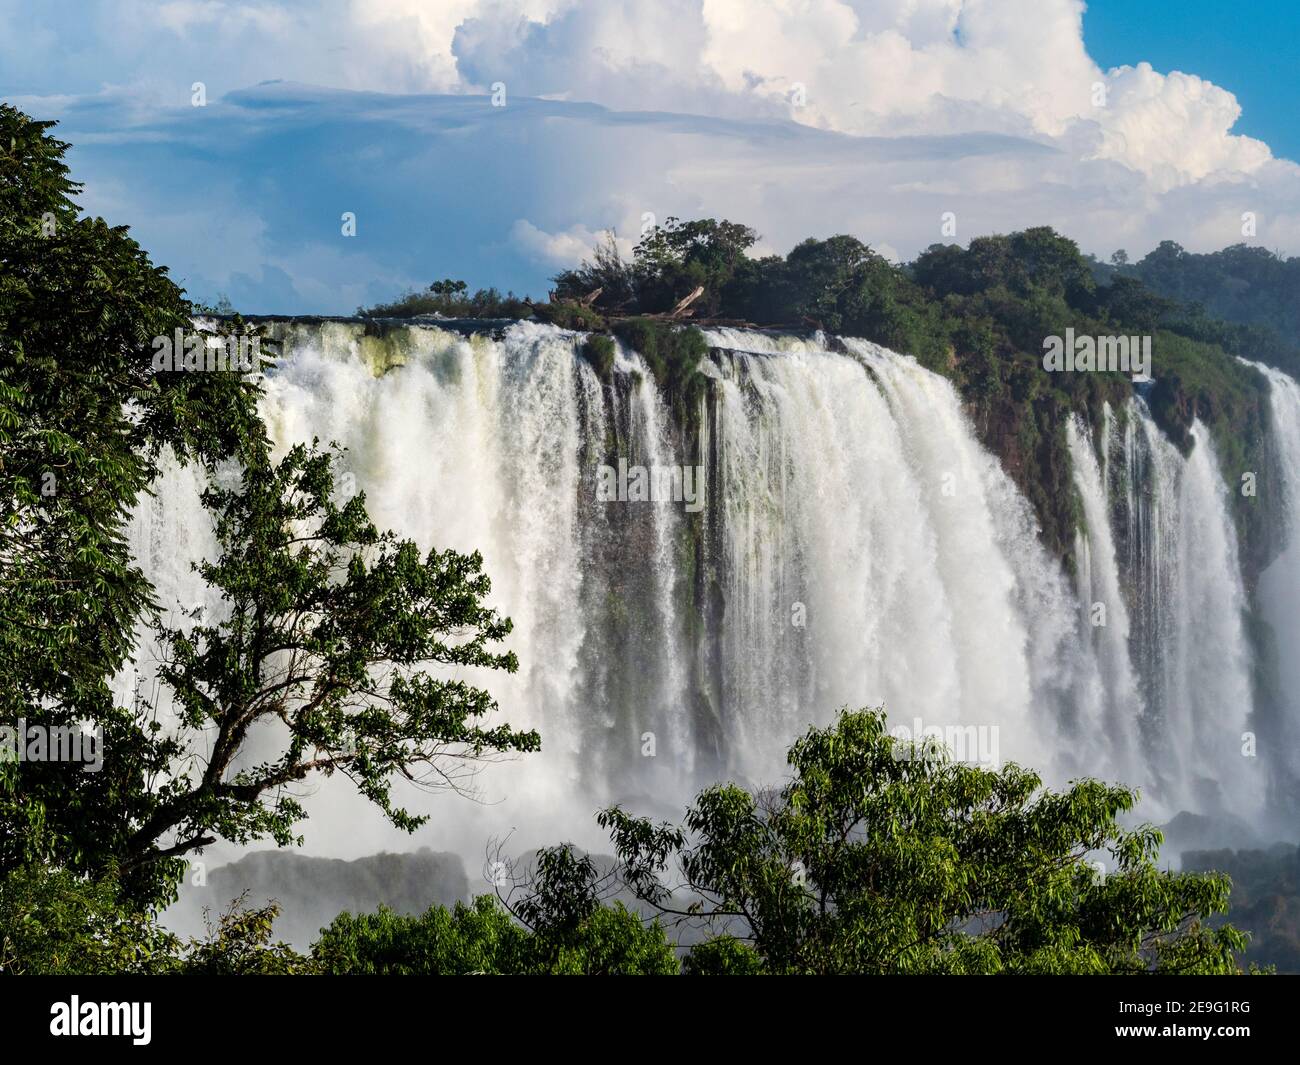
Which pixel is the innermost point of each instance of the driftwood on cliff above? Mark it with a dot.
(685, 302)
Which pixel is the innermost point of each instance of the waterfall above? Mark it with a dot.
(1101, 588)
(1279, 584)
(857, 546)
(1185, 605)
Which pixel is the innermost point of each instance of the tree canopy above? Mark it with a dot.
(886, 856)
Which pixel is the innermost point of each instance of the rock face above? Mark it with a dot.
(1265, 899)
(311, 891)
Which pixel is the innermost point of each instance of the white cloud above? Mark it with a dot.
(1174, 128)
(566, 248)
(797, 116)
(902, 67)
(863, 67)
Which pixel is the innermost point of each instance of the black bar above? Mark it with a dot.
(333, 1013)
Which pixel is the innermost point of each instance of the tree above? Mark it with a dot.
(673, 259)
(83, 419)
(327, 621)
(606, 272)
(1038, 258)
(821, 273)
(1127, 302)
(328, 630)
(944, 269)
(54, 923)
(560, 925)
(977, 340)
(563, 905)
(450, 288)
(882, 856)
(240, 944)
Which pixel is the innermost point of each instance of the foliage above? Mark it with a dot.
(451, 298)
(1244, 298)
(887, 857)
(605, 272)
(878, 856)
(573, 316)
(53, 923)
(327, 621)
(479, 938)
(1035, 259)
(672, 352)
(328, 628)
(672, 260)
(240, 945)
(560, 927)
(598, 350)
(668, 264)
(84, 419)
(723, 955)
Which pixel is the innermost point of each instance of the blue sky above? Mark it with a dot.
(1252, 50)
(881, 118)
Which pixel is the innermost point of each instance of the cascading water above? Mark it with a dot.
(1159, 554)
(856, 546)
(1279, 584)
(1100, 586)
(856, 495)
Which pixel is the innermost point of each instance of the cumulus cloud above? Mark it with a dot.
(890, 68)
(797, 116)
(863, 67)
(1174, 128)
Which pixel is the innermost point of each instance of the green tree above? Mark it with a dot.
(675, 258)
(240, 944)
(573, 931)
(328, 630)
(1035, 258)
(55, 923)
(559, 925)
(976, 339)
(475, 938)
(1128, 303)
(822, 276)
(326, 622)
(606, 271)
(84, 418)
(450, 288)
(882, 856)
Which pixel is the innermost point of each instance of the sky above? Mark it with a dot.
(1252, 50)
(495, 140)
